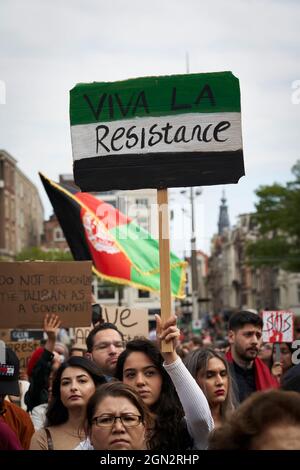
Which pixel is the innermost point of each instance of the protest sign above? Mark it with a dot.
(79, 335)
(278, 326)
(29, 290)
(132, 322)
(157, 132)
(23, 350)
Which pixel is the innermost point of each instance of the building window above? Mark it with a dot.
(6, 207)
(12, 207)
(105, 292)
(7, 239)
(143, 294)
(277, 297)
(244, 299)
(58, 235)
(141, 202)
(12, 179)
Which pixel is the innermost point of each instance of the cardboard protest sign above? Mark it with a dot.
(157, 132)
(23, 350)
(29, 290)
(278, 327)
(79, 335)
(132, 322)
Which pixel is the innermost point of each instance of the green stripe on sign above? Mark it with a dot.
(154, 96)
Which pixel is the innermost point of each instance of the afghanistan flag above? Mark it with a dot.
(121, 251)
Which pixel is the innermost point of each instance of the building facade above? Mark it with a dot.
(53, 238)
(235, 285)
(21, 209)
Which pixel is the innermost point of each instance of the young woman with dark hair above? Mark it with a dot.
(211, 372)
(177, 426)
(140, 365)
(74, 383)
(280, 365)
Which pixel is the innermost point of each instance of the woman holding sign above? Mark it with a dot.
(73, 385)
(178, 425)
(140, 366)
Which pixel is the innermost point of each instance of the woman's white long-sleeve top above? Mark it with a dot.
(195, 405)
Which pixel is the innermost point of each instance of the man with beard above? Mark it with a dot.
(248, 371)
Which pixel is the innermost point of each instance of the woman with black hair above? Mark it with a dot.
(141, 366)
(74, 383)
(281, 361)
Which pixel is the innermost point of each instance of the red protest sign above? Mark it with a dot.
(278, 326)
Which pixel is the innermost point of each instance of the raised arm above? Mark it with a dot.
(196, 408)
(51, 327)
(39, 380)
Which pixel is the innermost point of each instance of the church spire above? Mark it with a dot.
(223, 215)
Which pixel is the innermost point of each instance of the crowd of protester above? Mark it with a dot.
(220, 389)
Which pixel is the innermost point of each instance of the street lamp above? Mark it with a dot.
(195, 281)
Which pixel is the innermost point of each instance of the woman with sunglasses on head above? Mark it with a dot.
(117, 419)
(73, 385)
(175, 428)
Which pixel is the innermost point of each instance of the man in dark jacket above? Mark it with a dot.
(248, 371)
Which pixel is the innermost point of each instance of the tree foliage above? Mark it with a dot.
(36, 253)
(278, 220)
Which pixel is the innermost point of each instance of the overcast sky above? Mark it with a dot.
(46, 47)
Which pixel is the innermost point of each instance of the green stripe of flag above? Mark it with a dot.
(154, 96)
(141, 248)
(143, 252)
(153, 281)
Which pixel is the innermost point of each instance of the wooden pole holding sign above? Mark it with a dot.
(164, 260)
(277, 352)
